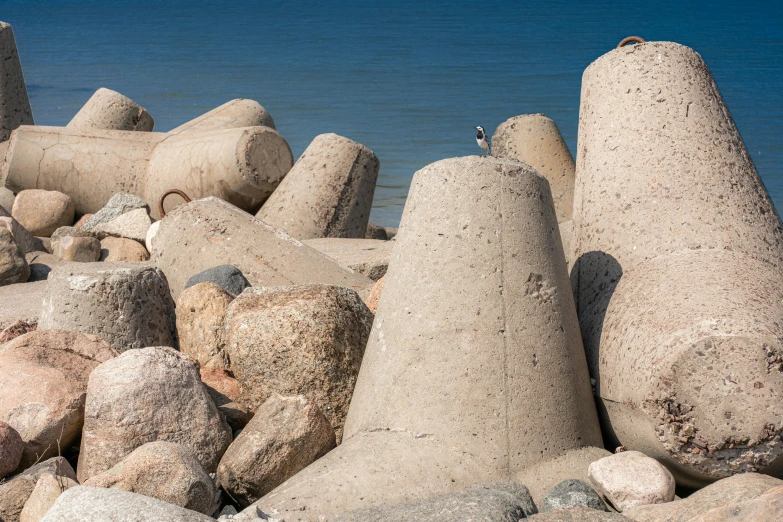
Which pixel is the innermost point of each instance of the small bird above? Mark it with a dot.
(483, 141)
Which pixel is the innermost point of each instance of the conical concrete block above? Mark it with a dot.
(241, 165)
(328, 192)
(535, 139)
(677, 267)
(107, 109)
(474, 369)
(14, 105)
(235, 113)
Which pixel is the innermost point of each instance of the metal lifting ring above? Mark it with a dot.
(168, 193)
(634, 39)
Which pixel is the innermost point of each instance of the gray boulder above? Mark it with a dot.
(228, 277)
(119, 204)
(13, 267)
(579, 514)
(572, 493)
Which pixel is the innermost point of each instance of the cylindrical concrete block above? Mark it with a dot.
(677, 256)
(108, 109)
(474, 361)
(535, 139)
(242, 165)
(328, 192)
(236, 113)
(210, 232)
(128, 305)
(14, 104)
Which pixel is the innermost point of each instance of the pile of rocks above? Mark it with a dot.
(263, 352)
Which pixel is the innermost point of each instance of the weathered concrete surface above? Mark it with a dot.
(14, 104)
(328, 192)
(88, 504)
(455, 385)
(108, 109)
(26, 299)
(209, 232)
(242, 165)
(535, 139)
(369, 257)
(235, 113)
(677, 257)
(126, 304)
(16, 491)
(764, 508)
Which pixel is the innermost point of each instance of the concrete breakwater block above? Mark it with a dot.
(210, 232)
(126, 304)
(535, 139)
(14, 103)
(369, 257)
(677, 254)
(235, 113)
(241, 165)
(328, 192)
(475, 324)
(107, 109)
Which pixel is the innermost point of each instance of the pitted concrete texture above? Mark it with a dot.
(14, 104)
(535, 139)
(676, 266)
(236, 113)
(369, 257)
(474, 359)
(21, 302)
(328, 192)
(241, 165)
(126, 304)
(210, 232)
(108, 109)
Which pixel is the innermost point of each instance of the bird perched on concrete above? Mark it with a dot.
(483, 141)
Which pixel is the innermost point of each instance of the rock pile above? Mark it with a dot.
(258, 350)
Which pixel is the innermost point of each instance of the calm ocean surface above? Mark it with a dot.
(408, 79)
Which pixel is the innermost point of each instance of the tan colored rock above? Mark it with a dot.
(327, 193)
(14, 104)
(119, 204)
(162, 470)
(11, 446)
(732, 490)
(121, 249)
(46, 373)
(210, 232)
(25, 240)
(107, 109)
(126, 304)
(375, 232)
(16, 491)
(6, 197)
(235, 113)
(764, 508)
(131, 225)
(375, 295)
(226, 393)
(15, 330)
(41, 263)
(201, 323)
(286, 435)
(82, 220)
(241, 165)
(13, 267)
(369, 257)
(42, 212)
(27, 299)
(306, 340)
(580, 514)
(78, 249)
(48, 488)
(631, 478)
(147, 395)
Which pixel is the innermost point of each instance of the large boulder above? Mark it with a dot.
(11, 448)
(147, 395)
(14, 103)
(41, 212)
(201, 323)
(163, 470)
(131, 225)
(210, 232)
(78, 249)
(17, 490)
(48, 488)
(126, 304)
(119, 204)
(13, 267)
(121, 249)
(45, 374)
(327, 193)
(107, 109)
(87, 504)
(294, 340)
(285, 435)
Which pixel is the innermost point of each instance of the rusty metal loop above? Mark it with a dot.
(629, 39)
(168, 193)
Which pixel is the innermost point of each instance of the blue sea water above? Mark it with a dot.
(408, 79)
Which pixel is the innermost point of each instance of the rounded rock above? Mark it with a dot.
(228, 277)
(631, 478)
(77, 249)
(11, 447)
(201, 322)
(572, 493)
(42, 212)
(121, 249)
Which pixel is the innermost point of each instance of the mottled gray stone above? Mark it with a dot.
(228, 277)
(119, 204)
(572, 493)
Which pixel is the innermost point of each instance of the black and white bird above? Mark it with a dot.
(483, 141)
